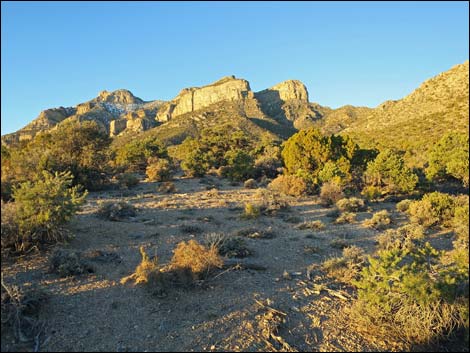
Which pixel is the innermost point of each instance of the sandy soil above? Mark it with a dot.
(94, 312)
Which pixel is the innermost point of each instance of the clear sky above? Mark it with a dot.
(360, 53)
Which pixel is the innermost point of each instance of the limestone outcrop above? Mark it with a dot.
(196, 98)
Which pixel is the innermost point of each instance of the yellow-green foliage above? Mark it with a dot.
(251, 211)
(133, 155)
(379, 220)
(449, 157)
(78, 147)
(371, 192)
(408, 293)
(389, 172)
(41, 207)
(433, 209)
(403, 205)
(330, 193)
(158, 169)
(195, 257)
(405, 237)
(313, 156)
(346, 217)
(352, 204)
(289, 185)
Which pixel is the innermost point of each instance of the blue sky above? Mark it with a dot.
(360, 53)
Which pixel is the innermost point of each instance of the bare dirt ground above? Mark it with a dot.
(95, 312)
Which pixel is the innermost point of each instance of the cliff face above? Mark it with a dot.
(193, 99)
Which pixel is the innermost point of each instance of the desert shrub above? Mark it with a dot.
(228, 246)
(271, 202)
(330, 193)
(127, 180)
(250, 184)
(403, 205)
(251, 211)
(159, 169)
(405, 237)
(167, 187)
(315, 225)
(347, 267)
(449, 157)
(78, 147)
(379, 220)
(239, 165)
(339, 243)
(190, 229)
(133, 156)
(40, 209)
(407, 293)
(197, 258)
(307, 152)
(371, 193)
(433, 209)
(68, 263)
(346, 217)
(389, 172)
(289, 185)
(352, 204)
(116, 211)
(460, 254)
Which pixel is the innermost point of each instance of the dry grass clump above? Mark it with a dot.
(379, 220)
(197, 258)
(330, 193)
(289, 185)
(250, 184)
(167, 187)
(20, 311)
(403, 205)
(315, 225)
(352, 204)
(146, 271)
(346, 217)
(68, 263)
(116, 211)
(347, 267)
(228, 246)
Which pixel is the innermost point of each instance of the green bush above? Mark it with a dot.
(78, 147)
(159, 169)
(388, 172)
(313, 156)
(251, 211)
(408, 293)
(371, 193)
(239, 165)
(289, 185)
(449, 157)
(433, 209)
(40, 209)
(134, 155)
